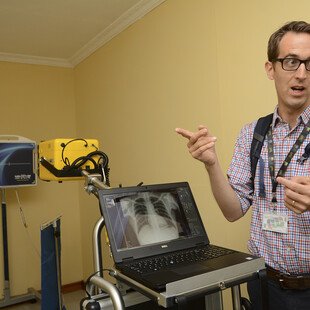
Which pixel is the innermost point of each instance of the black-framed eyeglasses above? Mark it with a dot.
(292, 64)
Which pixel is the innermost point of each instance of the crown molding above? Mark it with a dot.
(124, 21)
(35, 60)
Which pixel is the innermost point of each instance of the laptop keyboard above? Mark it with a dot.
(169, 260)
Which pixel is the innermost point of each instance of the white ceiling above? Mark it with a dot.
(63, 32)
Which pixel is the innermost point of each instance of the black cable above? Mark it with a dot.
(80, 161)
(89, 156)
(64, 145)
(101, 164)
(102, 155)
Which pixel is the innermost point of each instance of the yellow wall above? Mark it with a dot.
(37, 102)
(186, 63)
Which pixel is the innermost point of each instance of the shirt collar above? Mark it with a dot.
(303, 117)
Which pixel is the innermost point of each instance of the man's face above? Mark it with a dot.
(293, 87)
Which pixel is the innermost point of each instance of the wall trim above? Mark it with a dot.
(35, 60)
(72, 287)
(124, 21)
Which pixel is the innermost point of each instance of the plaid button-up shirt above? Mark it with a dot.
(286, 252)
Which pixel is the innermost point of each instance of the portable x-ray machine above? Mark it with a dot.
(73, 159)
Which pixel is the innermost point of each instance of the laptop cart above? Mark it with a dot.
(130, 294)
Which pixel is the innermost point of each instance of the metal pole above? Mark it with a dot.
(98, 266)
(58, 267)
(5, 246)
(235, 292)
(94, 180)
(117, 300)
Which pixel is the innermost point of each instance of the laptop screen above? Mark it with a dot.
(150, 220)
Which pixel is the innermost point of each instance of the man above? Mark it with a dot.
(280, 201)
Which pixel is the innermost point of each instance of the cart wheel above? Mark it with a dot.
(245, 304)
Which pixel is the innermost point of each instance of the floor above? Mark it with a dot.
(71, 302)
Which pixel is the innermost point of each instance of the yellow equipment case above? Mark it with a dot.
(64, 159)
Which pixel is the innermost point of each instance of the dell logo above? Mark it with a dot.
(164, 246)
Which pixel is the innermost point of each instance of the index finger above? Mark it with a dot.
(301, 179)
(184, 133)
(294, 184)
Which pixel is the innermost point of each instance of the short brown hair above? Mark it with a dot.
(276, 37)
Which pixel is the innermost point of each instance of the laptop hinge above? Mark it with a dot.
(127, 259)
(201, 243)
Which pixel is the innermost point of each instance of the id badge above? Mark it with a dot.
(275, 222)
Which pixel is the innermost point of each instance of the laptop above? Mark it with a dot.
(157, 236)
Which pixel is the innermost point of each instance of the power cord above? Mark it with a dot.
(23, 219)
(100, 165)
(64, 145)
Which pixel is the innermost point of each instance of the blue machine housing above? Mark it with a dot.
(17, 162)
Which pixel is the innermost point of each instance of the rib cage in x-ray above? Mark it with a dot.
(142, 206)
(142, 210)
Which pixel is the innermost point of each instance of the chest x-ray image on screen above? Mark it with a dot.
(152, 216)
